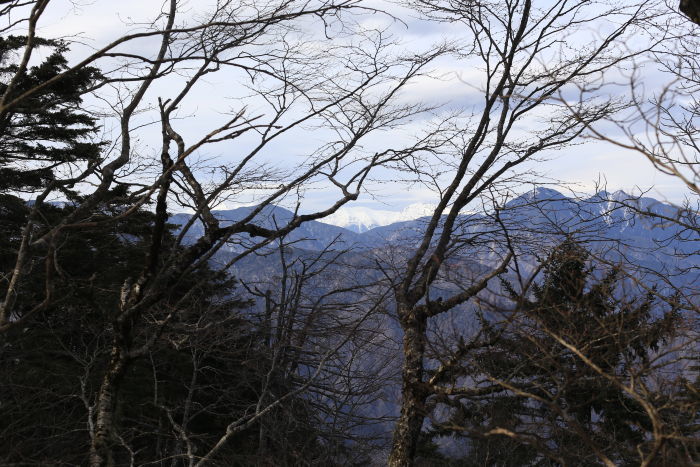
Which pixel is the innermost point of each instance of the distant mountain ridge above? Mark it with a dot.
(543, 215)
(543, 210)
(360, 219)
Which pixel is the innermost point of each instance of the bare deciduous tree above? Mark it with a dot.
(520, 49)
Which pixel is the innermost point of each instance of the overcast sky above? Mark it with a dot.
(585, 165)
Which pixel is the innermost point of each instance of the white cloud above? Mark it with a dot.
(98, 22)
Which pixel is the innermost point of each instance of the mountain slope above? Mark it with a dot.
(542, 216)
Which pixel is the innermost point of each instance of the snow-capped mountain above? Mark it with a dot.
(544, 216)
(361, 219)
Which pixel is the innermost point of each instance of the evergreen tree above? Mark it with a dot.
(46, 132)
(570, 400)
(205, 370)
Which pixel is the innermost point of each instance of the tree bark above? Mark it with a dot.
(410, 422)
(691, 8)
(101, 446)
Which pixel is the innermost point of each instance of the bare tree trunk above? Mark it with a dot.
(410, 422)
(101, 446)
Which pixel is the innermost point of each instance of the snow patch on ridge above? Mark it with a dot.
(360, 219)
